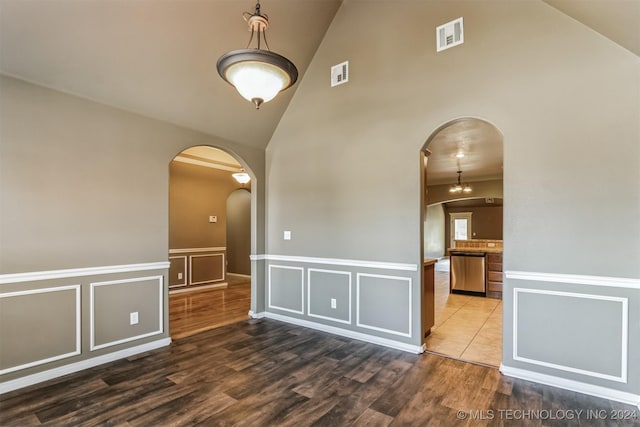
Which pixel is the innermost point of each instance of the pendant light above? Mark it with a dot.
(459, 187)
(257, 74)
(241, 177)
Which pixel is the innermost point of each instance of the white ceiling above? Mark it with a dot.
(480, 143)
(158, 57)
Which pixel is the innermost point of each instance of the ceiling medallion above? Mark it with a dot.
(257, 74)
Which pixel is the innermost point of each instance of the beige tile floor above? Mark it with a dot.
(466, 327)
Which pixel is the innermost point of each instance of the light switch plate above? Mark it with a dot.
(213, 218)
(133, 318)
(287, 235)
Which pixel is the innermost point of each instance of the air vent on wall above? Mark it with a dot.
(449, 35)
(340, 74)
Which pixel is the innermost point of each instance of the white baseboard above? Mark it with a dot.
(60, 371)
(416, 349)
(197, 288)
(240, 276)
(580, 387)
(255, 315)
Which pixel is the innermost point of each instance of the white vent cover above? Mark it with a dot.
(340, 74)
(449, 35)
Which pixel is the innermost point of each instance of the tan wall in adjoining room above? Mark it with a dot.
(486, 222)
(195, 193)
(481, 189)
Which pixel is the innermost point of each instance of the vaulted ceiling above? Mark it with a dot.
(158, 58)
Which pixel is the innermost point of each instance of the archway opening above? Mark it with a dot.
(462, 211)
(209, 241)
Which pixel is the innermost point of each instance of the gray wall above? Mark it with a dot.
(239, 231)
(86, 185)
(343, 166)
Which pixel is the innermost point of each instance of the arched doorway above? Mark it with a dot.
(204, 293)
(462, 207)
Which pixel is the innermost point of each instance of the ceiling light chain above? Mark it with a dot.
(257, 74)
(257, 23)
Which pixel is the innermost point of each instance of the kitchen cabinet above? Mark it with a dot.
(428, 296)
(494, 275)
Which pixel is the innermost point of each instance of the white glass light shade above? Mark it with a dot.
(257, 80)
(258, 75)
(241, 177)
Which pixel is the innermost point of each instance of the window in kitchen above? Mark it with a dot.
(460, 227)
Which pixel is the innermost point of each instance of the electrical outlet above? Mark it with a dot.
(334, 303)
(133, 318)
(213, 218)
(179, 276)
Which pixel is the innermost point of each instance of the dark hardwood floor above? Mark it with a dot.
(268, 373)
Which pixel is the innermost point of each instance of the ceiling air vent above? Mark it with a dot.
(340, 74)
(449, 35)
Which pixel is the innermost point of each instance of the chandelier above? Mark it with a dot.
(257, 74)
(459, 187)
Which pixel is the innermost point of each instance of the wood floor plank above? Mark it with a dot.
(268, 373)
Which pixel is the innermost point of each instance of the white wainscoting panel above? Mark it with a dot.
(212, 279)
(624, 325)
(184, 274)
(92, 286)
(78, 329)
(310, 284)
(270, 290)
(401, 281)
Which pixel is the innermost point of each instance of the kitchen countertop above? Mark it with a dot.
(478, 250)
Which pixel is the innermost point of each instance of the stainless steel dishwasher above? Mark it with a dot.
(468, 273)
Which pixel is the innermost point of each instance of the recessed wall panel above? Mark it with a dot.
(177, 271)
(325, 286)
(206, 268)
(384, 303)
(112, 304)
(575, 329)
(286, 288)
(38, 326)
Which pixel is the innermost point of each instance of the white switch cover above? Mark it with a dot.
(333, 303)
(213, 218)
(133, 318)
(287, 235)
(179, 276)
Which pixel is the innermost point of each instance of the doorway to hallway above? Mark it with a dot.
(210, 206)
